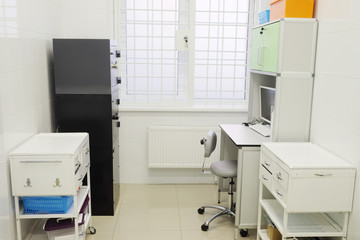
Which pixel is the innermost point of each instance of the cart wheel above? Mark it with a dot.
(204, 227)
(243, 232)
(92, 230)
(201, 210)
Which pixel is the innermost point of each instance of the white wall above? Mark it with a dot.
(133, 144)
(336, 105)
(26, 30)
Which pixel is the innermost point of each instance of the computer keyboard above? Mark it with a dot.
(264, 130)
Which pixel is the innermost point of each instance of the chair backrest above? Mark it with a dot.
(209, 143)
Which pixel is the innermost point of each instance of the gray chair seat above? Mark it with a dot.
(225, 168)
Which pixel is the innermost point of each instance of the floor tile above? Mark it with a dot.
(152, 216)
(149, 193)
(197, 194)
(104, 223)
(100, 236)
(148, 235)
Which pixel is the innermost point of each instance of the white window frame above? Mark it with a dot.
(189, 105)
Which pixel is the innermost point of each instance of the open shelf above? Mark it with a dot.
(263, 234)
(81, 195)
(301, 224)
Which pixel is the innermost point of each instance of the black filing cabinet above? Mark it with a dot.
(86, 100)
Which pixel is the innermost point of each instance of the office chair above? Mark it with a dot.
(224, 169)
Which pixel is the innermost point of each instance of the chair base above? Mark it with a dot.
(224, 211)
(230, 210)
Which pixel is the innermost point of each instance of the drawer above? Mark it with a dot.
(54, 171)
(265, 177)
(266, 161)
(280, 176)
(279, 193)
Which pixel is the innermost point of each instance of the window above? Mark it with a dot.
(183, 52)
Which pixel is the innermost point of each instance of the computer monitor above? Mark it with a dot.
(267, 102)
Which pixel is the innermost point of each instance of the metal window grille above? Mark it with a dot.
(183, 52)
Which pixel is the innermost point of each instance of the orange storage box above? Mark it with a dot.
(291, 9)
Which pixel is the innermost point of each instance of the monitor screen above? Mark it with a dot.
(267, 102)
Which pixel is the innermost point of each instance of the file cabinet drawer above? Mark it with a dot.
(266, 161)
(280, 176)
(265, 177)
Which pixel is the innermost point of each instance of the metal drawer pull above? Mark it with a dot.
(264, 178)
(279, 193)
(57, 183)
(37, 161)
(323, 175)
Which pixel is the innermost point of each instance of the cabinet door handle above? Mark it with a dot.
(81, 176)
(264, 177)
(38, 161)
(278, 176)
(267, 164)
(323, 175)
(279, 193)
(261, 56)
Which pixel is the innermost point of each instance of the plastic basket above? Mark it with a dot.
(51, 204)
(264, 16)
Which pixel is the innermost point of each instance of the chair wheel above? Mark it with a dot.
(243, 232)
(92, 230)
(201, 211)
(204, 227)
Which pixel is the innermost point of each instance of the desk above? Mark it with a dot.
(242, 143)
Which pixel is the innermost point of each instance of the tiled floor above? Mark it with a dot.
(164, 212)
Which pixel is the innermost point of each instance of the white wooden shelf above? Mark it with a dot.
(83, 192)
(300, 224)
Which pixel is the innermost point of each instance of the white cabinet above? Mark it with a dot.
(301, 185)
(51, 164)
(283, 57)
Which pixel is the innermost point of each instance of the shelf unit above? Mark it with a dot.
(283, 57)
(52, 164)
(296, 207)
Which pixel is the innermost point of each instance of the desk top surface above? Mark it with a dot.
(243, 136)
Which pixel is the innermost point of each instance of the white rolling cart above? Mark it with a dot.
(52, 164)
(302, 188)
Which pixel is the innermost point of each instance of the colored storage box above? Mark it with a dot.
(45, 205)
(264, 16)
(291, 9)
(58, 228)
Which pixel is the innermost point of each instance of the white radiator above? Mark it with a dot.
(179, 146)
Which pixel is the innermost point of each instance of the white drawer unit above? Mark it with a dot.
(306, 186)
(51, 164)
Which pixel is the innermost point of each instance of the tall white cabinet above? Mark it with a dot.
(283, 57)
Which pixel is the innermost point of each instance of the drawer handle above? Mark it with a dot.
(264, 177)
(323, 175)
(278, 175)
(267, 164)
(279, 193)
(38, 161)
(57, 183)
(81, 176)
